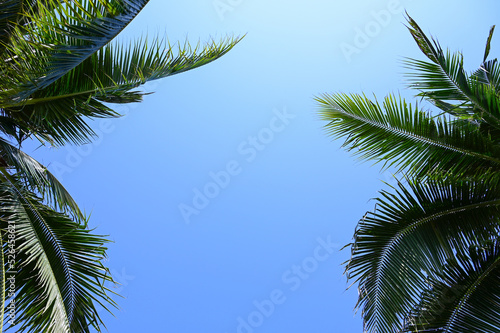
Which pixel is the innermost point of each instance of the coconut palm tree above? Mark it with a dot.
(60, 68)
(427, 259)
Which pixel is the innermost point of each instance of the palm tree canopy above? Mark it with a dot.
(426, 259)
(465, 297)
(59, 273)
(406, 137)
(58, 75)
(411, 235)
(61, 68)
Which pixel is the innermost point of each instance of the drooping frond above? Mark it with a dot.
(439, 233)
(60, 277)
(38, 178)
(465, 297)
(410, 237)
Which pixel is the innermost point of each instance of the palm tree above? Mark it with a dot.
(59, 68)
(427, 259)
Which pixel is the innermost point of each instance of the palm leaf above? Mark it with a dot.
(59, 276)
(11, 129)
(444, 79)
(38, 178)
(3, 282)
(57, 113)
(465, 298)
(489, 74)
(407, 138)
(72, 31)
(410, 237)
(492, 71)
(488, 44)
(9, 13)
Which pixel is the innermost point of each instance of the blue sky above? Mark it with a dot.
(258, 250)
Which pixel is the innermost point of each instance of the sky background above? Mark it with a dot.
(261, 253)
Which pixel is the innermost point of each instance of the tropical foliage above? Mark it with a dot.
(59, 68)
(427, 259)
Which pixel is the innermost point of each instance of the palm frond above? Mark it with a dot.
(3, 282)
(465, 298)
(492, 70)
(12, 129)
(9, 12)
(57, 113)
(60, 277)
(60, 35)
(488, 44)
(402, 136)
(488, 74)
(38, 178)
(444, 79)
(413, 233)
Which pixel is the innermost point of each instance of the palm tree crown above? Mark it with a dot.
(427, 259)
(60, 68)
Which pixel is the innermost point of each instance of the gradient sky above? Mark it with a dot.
(258, 251)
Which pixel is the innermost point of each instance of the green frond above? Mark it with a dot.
(58, 113)
(428, 258)
(3, 281)
(465, 297)
(60, 277)
(488, 44)
(492, 70)
(11, 129)
(445, 80)
(39, 179)
(62, 121)
(403, 136)
(488, 74)
(410, 237)
(8, 18)
(59, 36)
(58, 70)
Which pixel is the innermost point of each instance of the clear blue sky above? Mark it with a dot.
(258, 250)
